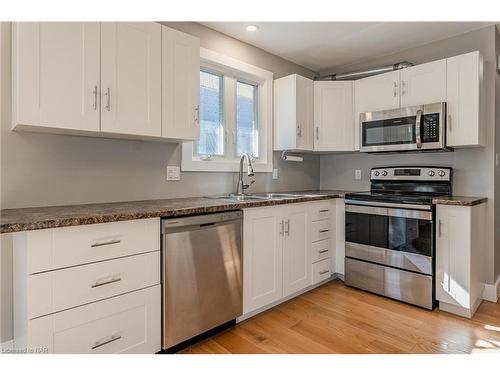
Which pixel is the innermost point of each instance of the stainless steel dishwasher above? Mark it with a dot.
(201, 274)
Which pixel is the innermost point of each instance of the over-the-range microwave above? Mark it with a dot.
(416, 128)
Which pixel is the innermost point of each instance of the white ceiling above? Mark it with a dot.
(326, 45)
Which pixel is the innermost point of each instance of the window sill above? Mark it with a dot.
(221, 166)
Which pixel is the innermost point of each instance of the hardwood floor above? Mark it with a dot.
(337, 319)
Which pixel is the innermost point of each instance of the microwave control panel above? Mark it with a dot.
(431, 128)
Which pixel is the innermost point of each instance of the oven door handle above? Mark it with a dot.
(418, 128)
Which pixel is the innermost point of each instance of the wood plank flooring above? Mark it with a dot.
(337, 319)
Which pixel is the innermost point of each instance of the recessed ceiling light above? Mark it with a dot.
(251, 28)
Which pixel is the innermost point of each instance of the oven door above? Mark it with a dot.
(395, 237)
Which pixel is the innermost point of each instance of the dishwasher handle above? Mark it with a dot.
(199, 220)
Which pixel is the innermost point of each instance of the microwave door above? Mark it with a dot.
(394, 134)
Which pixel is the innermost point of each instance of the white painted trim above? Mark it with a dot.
(491, 292)
(242, 70)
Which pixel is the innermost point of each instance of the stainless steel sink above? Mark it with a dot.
(257, 197)
(238, 198)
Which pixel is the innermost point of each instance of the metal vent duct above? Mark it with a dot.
(364, 73)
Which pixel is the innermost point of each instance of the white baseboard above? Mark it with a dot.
(491, 292)
(6, 346)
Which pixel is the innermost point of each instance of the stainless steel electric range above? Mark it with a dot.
(390, 233)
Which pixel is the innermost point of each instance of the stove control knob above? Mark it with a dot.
(441, 173)
(384, 173)
(376, 173)
(431, 173)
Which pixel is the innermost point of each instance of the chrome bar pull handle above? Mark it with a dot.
(108, 99)
(440, 232)
(323, 272)
(281, 227)
(402, 87)
(94, 92)
(99, 244)
(449, 123)
(111, 339)
(317, 133)
(197, 115)
(395, 89)
(287, 228)
(323, 251)
(418, 128)
(298, 130)
(112, 281)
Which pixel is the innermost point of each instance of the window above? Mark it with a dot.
(235, 116)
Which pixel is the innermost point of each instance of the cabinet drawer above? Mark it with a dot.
(321, 270)
(130, 323)
(66, 288)
(320, 250)
(321, 211)
(320, 230)
(55, 248)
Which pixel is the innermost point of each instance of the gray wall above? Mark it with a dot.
(44, 169)
(474, 171)
(497, 170)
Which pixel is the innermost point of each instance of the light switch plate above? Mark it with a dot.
(275, 174)
(357, 174)
(173, 173)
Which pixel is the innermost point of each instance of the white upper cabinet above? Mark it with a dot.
(180, 85)
(131, 78)
(423, 84)
(293, 113)
(55, 75)
(464, 97)
(334, 116)
(375, 93)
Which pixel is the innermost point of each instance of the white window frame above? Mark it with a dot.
(234, 70)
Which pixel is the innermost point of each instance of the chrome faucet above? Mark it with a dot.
(240, 189)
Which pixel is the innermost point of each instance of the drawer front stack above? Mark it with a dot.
(321, 240)
(89, 289)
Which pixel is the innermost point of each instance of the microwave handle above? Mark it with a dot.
(418, 128)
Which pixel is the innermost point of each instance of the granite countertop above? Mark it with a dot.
(23, 219)
(454, 200)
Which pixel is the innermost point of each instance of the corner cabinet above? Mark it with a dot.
(180, 85)
(459, 255)
(293, 113)
(334, 116)
(464, 92)
(105, 80)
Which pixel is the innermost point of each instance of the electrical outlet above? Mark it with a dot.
(357, 174)
(275, 174)
(173, 173)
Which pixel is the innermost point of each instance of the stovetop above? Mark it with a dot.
(391, 197)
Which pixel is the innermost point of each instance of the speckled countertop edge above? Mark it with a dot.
(26, 219)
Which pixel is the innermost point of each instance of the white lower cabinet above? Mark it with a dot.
(88, 289)
(459, 253)
(129, 323)
(278, 251)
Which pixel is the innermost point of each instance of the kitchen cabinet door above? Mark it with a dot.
(334, 116)
(296, 250)
(464, 100)
(293, 113)
(131, 78)
(423, 84)
(262, 257)
(459, 258)
(180, 85)
(55, 75)
(375, 93)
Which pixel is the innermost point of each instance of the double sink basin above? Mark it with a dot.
(261, 197)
